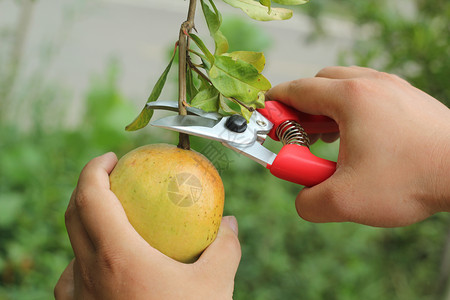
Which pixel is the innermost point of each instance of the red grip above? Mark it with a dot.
(277, 113)
(297, 164)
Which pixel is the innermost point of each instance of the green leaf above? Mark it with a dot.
(191, 89)
(256, 59)
(237, 79)
(207, 99)
(257, 11)
(146, 114)
(214, 20)
(291, 2)
(228, 107)
(202, 47)
(204, 83)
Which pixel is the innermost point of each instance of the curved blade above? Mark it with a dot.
(255, 151)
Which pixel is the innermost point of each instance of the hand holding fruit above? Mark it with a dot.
(394, 158)
(112, 261)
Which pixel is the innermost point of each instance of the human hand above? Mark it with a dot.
(394, 159)
(112, 261)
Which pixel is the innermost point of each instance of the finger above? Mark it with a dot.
(99, 209)
(329, 137)
(316, 96)
(222, 257)
(79, 239)
(64, 289)
(339, 72)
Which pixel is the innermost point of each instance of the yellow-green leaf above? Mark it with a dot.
(257, 11)
(221, 43)
(237, 79)
(246, 113)
(256, 59)
(290, 2)
(260, 102)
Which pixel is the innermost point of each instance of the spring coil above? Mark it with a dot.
(291, 132)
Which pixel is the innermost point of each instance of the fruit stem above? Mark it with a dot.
(183, 43)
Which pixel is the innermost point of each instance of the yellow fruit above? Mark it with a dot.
(172, 197)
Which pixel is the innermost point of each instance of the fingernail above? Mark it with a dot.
(110, 153)
(232, 223)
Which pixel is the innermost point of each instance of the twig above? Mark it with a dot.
(249, 108)
(196, 70)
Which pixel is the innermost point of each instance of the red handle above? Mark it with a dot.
(297, 164)
(277, 113)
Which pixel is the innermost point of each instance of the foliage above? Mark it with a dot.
(409, 38)
(230, 83)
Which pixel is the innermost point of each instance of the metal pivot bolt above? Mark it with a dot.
(236, 123)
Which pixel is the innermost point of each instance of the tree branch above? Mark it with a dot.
(186, 27)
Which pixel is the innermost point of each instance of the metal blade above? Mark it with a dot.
(206, 128)
(173, 106)
(184, 121)
(255, 151)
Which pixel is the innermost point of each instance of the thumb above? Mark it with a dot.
(322, 203)
(223, 255)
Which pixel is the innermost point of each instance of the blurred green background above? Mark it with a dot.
(284, 257)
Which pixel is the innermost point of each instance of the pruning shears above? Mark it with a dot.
(294, 162)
